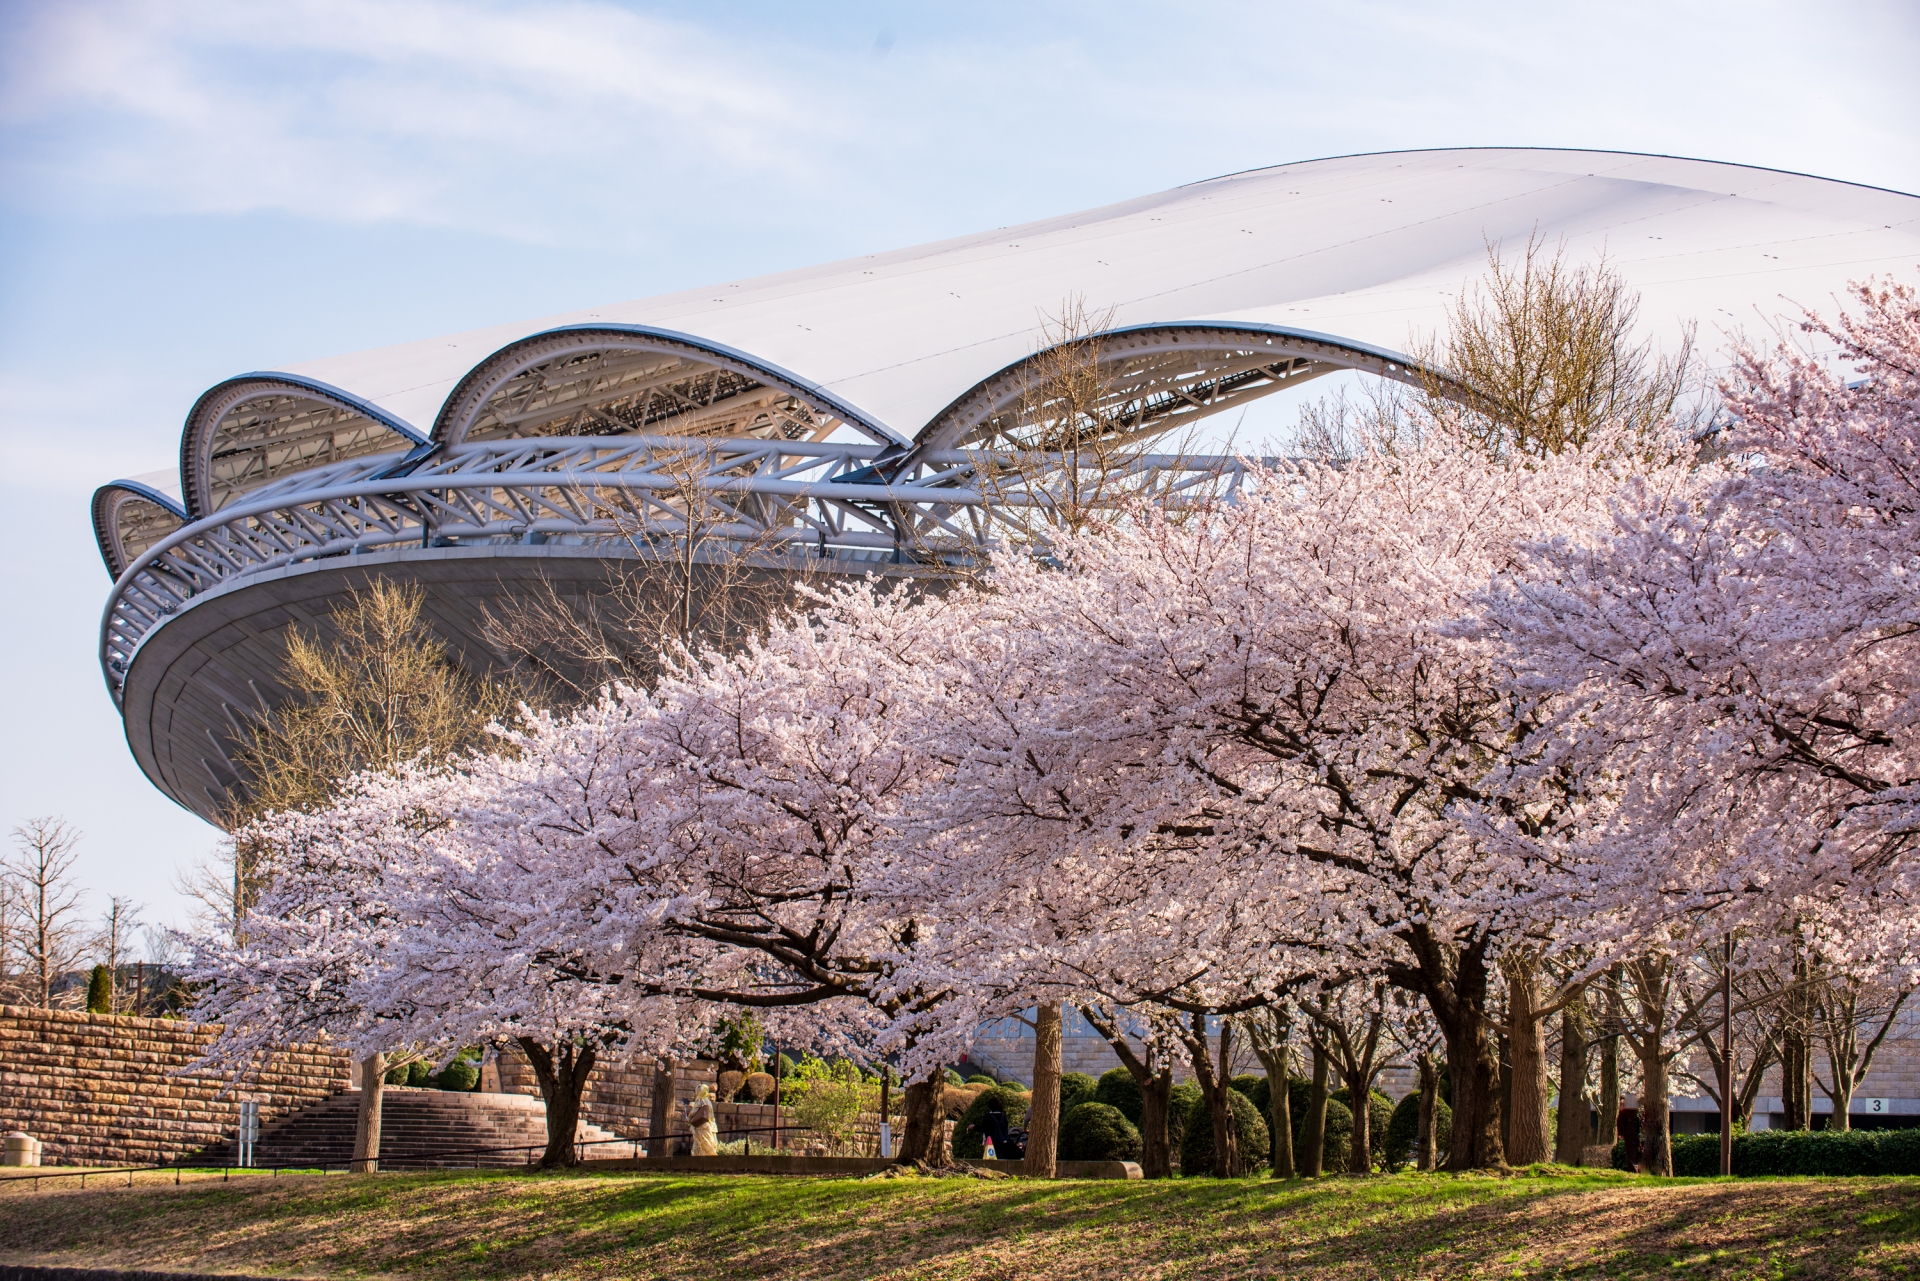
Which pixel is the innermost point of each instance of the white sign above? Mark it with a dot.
(1872, 1107)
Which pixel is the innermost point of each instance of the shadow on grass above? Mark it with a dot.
(569, 1225)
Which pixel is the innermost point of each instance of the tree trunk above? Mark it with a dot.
(1156, 1095)
(1656, 1139)
(1796, 1080)
(924, 1140)
(1454, 981)
(1527, 1140)
(1426, 1143)
(1213, 1091)
(366, 1128)
(1277, 1061)
(562, 1072)
(1043, 1114)
(660, 1111)
(1156, 1129)
(1570, 1143)
(1609, 1107)
(1360, 1149)
(1313, 1136)
(1473, 1069)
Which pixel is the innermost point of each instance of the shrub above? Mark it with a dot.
(1075, 1088)
(1816, 1152)
(728, 1084)
(1179, 1103)
(829, 1107)
(1116, 1089)
(954, 1078)
(1096, 1132)
(956, 1099)
(782, 1066)
(1333, 1151)
(461, 1075)
(759, 1086)
(980, 1079)
(1196, 1145)
(1404, 1125)
(100, 990)
(1379, 1117)
(967, 1143)
(1247, 1083)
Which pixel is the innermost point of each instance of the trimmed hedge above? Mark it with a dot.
(1096, 1132)
(968, 1145)
(1822, 1152)
(1333, 1151)
(1379, 1118)
(1075, 1088)
(1196, 1145)
(1181, 1101)
(1117, 1089)
(1404, 1124)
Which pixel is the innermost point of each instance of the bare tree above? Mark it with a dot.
(47, 902)
(113, 947)
(703, 574)
(1077, 448)
(384, 690)
(1545, 350)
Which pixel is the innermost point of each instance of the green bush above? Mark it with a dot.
(1097, 1132)
(1403, 1128)
(100, 990)
(967, 1142)
(980, 1078)
(1118, 1090)
(954, 1078)
(1379, 1117)
(463, 1074)
(1075, 1088)
(1339, 1137)
(1253, 1085)
(1196, 1145)
(1820, 1152)
(1180, 1102)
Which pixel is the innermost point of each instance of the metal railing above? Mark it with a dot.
(627, 495)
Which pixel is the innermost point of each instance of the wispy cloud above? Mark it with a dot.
(631, 125)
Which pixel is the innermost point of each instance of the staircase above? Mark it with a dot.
(419, 1130)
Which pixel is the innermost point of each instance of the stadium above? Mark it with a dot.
(838, 414)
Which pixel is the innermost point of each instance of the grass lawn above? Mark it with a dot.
(1597, 1224)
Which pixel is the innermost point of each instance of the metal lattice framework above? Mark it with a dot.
(780, 498)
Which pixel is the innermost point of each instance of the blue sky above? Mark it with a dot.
(189, 191)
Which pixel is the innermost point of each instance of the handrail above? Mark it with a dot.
(799, 496)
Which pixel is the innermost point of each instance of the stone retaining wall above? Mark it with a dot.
(105, 1089)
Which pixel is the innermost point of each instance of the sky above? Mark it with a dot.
(189, 191)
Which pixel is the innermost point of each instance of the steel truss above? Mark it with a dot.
(855, 501)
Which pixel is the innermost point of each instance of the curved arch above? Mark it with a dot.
(615, 380)
(1161, 375)
(250, 431)
(128, 518)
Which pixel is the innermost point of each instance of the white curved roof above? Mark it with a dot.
(1366, 248)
